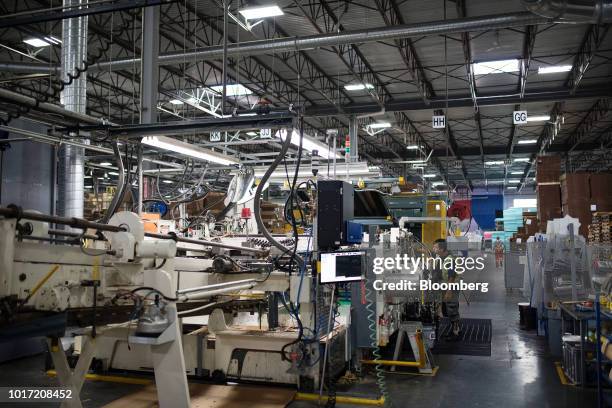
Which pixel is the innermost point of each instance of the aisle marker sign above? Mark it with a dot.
(519, 117)
(265, 133)
(438, 122)
(215, 136)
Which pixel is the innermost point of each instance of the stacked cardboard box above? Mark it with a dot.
(549, 202)
(548, 171)
(601, 191)
(600, 230)
(576, 198)
(584, 193)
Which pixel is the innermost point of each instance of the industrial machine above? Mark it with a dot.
(240, 307)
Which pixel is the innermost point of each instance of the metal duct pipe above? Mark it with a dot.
(580, 11)
(29, 68)
(71, 189)
(47, 107)
(288, 44)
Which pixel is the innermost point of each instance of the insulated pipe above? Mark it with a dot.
(213, 286)
(579, 11)
(207, 243)
(14, 212)
(289, 44)
(29, 68)
(211, 293)
(47, 107)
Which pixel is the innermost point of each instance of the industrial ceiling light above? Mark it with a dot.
(254, 13)
(528, 141)
(354, 169)
(511, 181)
(42, 42)
(538, 118)
(429, 175)
(113, 173)
(554, 69)
(232, 89)
(309, 143)
(521, 159)
(251, 133)
(176, 102)
(413, 147)
(516, 173)
(358, 87)
(438, 183)
(379, 125)
(106, 164)
(495, 67)
(173, 145)
(511, 187)
(494, 162)
(167, 181)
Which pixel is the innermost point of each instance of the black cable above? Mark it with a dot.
(152, 289)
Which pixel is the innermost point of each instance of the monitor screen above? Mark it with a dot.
(342, 267)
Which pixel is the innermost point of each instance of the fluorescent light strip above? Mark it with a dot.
(516, 173)
(554, 69)
(42, 42)
(495, 67)
(232, 89)
(186, 149)
(413, 147)
(177, 101)
(538, 118)
(379, 125)
(254, 13)
(528, 141)
(309, 143)
(521, 159)
(354, 169)
(494, 162)
(358, 87)
(430, 175)
(106, 164)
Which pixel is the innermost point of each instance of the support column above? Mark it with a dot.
(149, 84)
(353, 134)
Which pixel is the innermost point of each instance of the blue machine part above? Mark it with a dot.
(354, 232)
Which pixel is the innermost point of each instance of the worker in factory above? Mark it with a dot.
(449, 305)
(499, 253)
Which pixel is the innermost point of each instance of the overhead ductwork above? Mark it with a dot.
(71, 172)
(289, 44)
(577, 11)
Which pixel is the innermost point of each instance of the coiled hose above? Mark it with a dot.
(257, 202)
(380, 375)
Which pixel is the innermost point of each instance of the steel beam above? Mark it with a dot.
(393, 17)
(592, 41)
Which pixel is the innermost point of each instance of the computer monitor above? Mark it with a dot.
(337, 267)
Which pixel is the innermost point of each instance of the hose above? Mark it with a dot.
(121, 184)
(380, 374)
(257, 201)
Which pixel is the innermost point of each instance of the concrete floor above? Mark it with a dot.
(519, 372)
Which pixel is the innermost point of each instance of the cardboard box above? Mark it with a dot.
(548, 169)
(549, 202)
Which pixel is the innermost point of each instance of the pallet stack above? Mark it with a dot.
(548, 172)
(599, 229)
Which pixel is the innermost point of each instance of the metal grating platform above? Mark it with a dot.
(474, 339)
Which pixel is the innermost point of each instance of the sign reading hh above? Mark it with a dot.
(438, 122)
